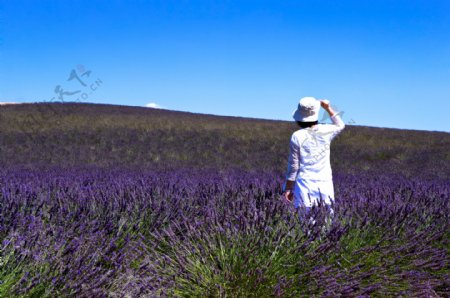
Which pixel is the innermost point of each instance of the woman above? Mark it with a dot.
(309, 177)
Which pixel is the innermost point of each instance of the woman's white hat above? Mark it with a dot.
(307, 110)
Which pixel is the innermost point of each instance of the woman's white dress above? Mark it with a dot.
(309, 163)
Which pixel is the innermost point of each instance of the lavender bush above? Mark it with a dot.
(85, 233)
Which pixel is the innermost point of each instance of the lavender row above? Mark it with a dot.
(81, 233)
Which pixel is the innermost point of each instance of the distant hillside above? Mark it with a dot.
(78, 135)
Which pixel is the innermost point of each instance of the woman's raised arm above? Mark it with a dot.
(339, 125)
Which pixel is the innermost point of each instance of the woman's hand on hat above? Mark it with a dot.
(325, 103)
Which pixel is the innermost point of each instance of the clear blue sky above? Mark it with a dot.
(384, 63)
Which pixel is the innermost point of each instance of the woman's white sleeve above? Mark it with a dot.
(339, 125)
(293, 160)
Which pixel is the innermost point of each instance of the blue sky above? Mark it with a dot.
(383, 63)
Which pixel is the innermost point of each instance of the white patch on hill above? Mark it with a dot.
(4, 103)
(153, 105)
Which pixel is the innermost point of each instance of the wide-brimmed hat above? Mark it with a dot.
(307, 110)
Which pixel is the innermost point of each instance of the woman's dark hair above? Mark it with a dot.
(306, 124)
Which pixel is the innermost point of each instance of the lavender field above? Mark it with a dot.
(110, 201)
